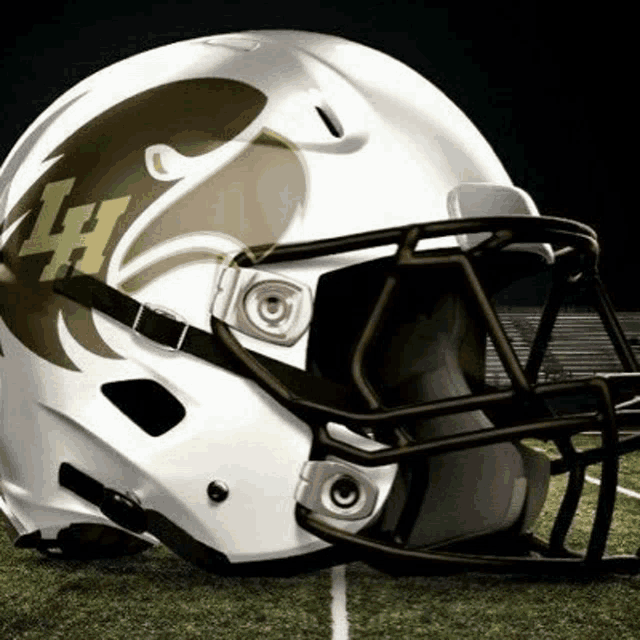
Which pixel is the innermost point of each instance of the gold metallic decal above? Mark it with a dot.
(72, 235)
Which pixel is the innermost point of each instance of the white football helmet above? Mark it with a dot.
(244, 306)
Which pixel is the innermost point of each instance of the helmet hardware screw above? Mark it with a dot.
(217, 491)
(345, 492)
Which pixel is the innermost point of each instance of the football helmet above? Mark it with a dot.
(246, 289)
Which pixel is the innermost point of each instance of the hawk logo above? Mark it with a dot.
(190, 159)
(87, 227)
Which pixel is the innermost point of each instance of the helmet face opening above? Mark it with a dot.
(248, 310)
(431, 346)
(429, 320)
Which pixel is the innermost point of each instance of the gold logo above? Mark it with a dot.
(82, 228)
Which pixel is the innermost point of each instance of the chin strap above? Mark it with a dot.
(171, 333)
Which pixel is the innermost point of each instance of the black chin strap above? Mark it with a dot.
(167, 332)
(173, 334)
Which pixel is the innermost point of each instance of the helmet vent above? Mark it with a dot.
(331, 122)
(147, 403)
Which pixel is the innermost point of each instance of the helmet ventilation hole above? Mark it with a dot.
(147, 403)
(331, 122)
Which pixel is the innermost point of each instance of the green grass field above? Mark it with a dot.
(156, 595)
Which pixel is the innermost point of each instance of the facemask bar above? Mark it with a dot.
(578, 259)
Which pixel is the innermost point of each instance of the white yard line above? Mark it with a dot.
(339, 620)
(619, 489)
(626, 492)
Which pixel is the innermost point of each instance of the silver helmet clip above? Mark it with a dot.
(263, 305)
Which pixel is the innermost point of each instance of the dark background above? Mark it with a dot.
(551, 90)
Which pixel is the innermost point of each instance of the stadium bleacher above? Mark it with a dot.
(579, 345)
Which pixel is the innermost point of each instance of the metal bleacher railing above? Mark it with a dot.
(579, 345)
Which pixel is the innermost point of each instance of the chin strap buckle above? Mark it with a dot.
(118, 507)
(164, 328)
